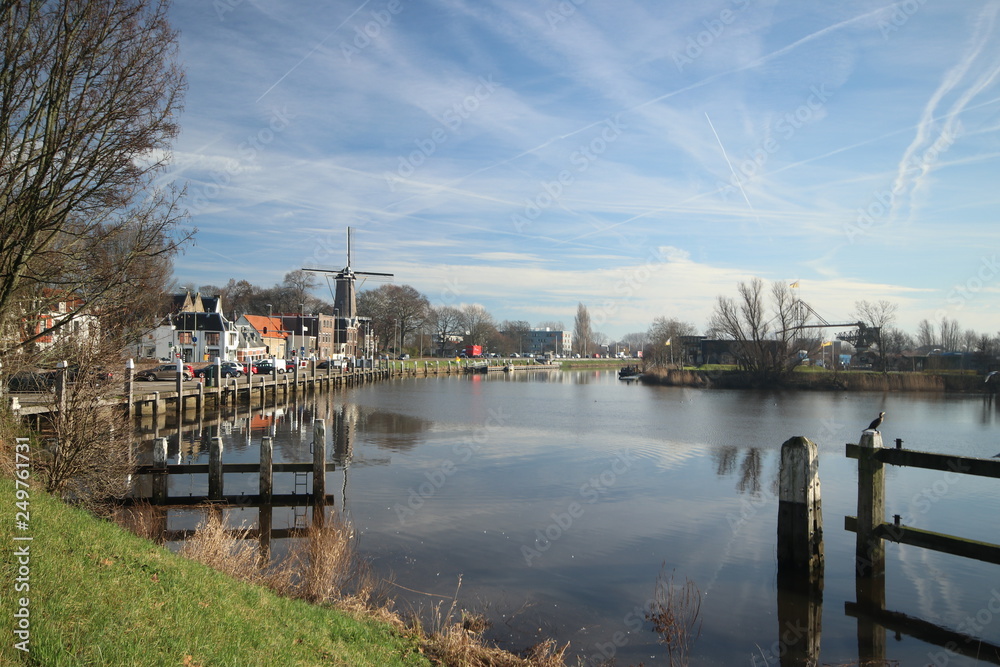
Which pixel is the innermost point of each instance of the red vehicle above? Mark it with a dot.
(473, 351)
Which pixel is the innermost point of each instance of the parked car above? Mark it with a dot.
(32, 381)
(404, 356)
(268, 366)
(227, 369)
(164, 372)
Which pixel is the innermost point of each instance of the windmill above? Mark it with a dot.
(345, 302)
(345, 297)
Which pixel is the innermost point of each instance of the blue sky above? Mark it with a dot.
(639, 157)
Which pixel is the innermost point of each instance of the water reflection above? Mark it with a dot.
(698, 454)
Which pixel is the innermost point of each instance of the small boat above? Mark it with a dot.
(629, 373)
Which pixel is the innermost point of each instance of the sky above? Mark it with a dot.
(639, 157)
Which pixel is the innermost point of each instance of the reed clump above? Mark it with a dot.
(675, 613)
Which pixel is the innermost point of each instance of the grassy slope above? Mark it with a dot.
(102, 596)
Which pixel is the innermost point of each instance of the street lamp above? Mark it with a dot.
(336, 331)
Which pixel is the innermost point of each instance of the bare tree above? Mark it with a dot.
(951, 335)
(925, 334)
(664, 338)
(90, 95)
(479, 323)
(299, 284)
(396, 312)
(764, 340)
(582, 333)
(446, 322)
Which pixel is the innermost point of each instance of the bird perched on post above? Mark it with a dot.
(876, 422)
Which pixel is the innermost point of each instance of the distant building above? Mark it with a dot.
(540, 341)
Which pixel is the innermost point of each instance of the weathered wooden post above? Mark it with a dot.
(180, 392)
(295, 384)
(160, 462)
(219, 381)
(319, 470)
(129, 387)
(215, 469)
(800, 513)
(156, 406)
(800, 553)
(869, 549)
(61, 387)
(200, 401)
(869, 552)
(266, 469)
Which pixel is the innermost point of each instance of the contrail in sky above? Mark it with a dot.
(739, 184)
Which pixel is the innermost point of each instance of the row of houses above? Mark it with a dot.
(197, 329)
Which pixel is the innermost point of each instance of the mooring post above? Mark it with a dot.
(156, 406)
(180, 393)
(800, 550)
(129, 386)
(869, 548)
(295, 384)
(200, 400)
(800, 513)
(160, 462)
(319, 468)
(215, 469)
(266, 471)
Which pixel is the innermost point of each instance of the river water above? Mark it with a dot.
(559, 498)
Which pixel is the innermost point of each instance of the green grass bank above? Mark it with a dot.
(100, 595)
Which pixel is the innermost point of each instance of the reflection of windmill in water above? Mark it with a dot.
(348, 327)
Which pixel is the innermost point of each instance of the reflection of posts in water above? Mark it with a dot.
(319, 470)
(160, 478)
(800, 554)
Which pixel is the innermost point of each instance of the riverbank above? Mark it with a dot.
(98, 594)
(819, 380)
(92, 592)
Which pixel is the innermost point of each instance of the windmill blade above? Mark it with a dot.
(373, 273)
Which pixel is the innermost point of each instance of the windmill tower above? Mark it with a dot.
(345, 302)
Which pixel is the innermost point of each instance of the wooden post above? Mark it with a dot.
(129, 388)
(219, 381)
(869, 580)
(295, 384)
(869, 550)
(156, 406)
(180, 393)
(319, 469)
(200, 400)
(215, 469)
(160, 478)
(266, 472)
(800, 513)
